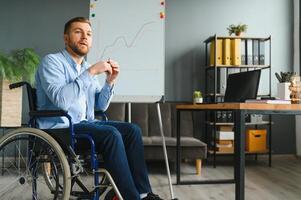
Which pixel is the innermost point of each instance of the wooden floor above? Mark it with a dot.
(280, 182)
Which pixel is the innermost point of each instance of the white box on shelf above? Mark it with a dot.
(256, 118)
(283, 91)
(225, 135)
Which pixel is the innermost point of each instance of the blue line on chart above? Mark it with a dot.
(128, 45)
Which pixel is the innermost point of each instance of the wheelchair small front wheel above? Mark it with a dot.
(111, 195)
(25, 153)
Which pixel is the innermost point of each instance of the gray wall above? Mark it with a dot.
(39, 24)
(190, 22)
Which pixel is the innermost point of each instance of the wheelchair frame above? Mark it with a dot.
(74, 163)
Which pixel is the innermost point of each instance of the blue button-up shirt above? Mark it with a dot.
(59, 87)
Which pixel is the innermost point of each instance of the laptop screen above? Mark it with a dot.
(242, 86)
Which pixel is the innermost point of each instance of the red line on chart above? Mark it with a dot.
(127, 44)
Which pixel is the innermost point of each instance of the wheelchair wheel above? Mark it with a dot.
(25, 153)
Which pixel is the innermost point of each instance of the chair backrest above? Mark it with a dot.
(31, 94)
(32, 98)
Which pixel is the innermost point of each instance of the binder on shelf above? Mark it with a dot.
(235, 51)
(255, 52)
(243, 52)
(226, 52)
(249, 53)
(218, 116)
(261, 52)
(224, 116)
(229, 116)
(222, 80)
(219, 52)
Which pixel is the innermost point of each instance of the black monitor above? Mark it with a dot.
(242, 86)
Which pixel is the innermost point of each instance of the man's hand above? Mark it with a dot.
(113, 74)
(100, 67)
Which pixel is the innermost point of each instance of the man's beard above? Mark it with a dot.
(77, 51)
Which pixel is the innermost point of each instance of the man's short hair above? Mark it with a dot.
(75, 19)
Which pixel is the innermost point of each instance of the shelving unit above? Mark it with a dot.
(213, 71)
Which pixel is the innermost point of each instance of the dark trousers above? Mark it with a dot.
(121, 145)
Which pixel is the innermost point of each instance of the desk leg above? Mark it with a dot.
(270, 141)
(178, 151)
(239, 174)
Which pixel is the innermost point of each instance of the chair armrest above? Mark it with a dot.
(53, 113)
(48, 113)
(101, 114)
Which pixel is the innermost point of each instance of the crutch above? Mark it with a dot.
(165, 152)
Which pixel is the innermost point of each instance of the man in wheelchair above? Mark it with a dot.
(66, 81)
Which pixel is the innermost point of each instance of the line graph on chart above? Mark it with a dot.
(128, 43)
(128, 46)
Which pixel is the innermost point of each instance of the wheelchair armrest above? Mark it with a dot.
(101, 114)
(52, 113)
(59, 113)
(48, 113)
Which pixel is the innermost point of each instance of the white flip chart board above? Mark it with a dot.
(132, 33)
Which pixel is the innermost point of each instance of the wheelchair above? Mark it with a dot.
(46, 164)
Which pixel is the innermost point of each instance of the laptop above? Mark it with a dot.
(242, 86)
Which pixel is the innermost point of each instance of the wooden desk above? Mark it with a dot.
(239, 111)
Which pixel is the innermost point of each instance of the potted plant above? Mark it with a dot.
(237, 29)
(197, 97)
(284, 78)
(20, 64)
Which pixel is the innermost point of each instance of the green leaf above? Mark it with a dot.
(20, 64)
